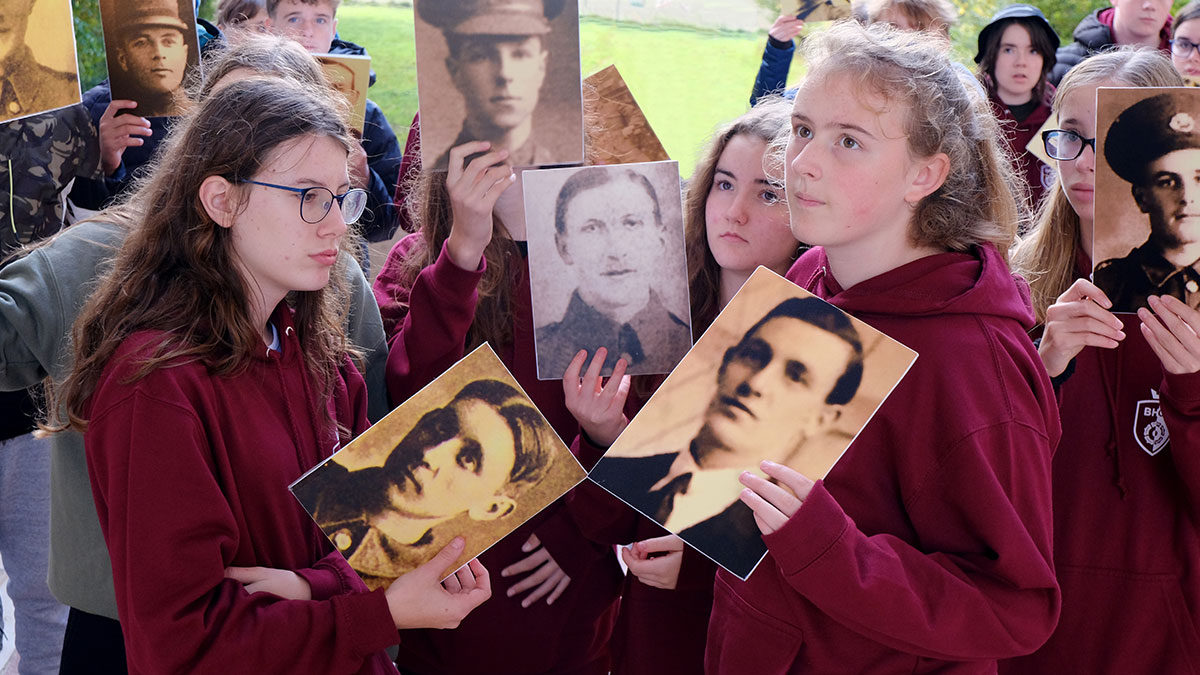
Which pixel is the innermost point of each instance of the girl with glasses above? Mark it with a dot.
(210, 371)
(1185, 43)
(1126, 475)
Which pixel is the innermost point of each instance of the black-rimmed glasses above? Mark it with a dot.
(1181, 47)
(316, 201)
(1065, 145)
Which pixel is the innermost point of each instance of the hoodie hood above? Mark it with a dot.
(974, 282)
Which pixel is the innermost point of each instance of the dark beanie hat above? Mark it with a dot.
(1032, 14)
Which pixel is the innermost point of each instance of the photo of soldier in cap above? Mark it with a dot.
(1147, 224)
(151, 46)
(502, 71)
(35, 81)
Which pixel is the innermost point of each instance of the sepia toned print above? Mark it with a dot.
(617, 130)
(817, 10)
(36, 75)
(607, 266)
(502, 71)
(781, 375)
(1147, 230)
(152, 49)
(467, 455)
(349, 74)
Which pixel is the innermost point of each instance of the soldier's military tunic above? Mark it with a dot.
(1144, 272)
(28, 87)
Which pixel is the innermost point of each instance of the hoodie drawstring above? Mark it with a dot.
(1111, 392)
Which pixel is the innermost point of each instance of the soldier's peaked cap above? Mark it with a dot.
(491, 17)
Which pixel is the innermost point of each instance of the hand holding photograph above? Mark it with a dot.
(1147, 227)
(503, 71)
(467, 455)
(36, 75)
(796, 379)
(152, 48)
(607, 266)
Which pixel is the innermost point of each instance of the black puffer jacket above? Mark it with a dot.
(1090, 37)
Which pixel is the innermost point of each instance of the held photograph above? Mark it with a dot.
(607, 266)
(502, 71)
(617, 129)
(781, 375)
(817, 10)
(37, 58)
(467, 455)
(1147, 232)
(152, 49)
(350, 75)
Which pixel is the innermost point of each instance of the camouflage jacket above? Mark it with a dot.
(39, 156)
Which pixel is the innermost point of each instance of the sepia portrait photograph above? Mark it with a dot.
(607, 266)
(1147, 228)
(781, 375)
(350, 75)
(152, 49)
(502, 71)
(37, 58)
(817, 10)
(469, 455)
(617, 129)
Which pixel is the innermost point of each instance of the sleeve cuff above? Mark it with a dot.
(450, 279)
(1184, 387)
(808, 534)
(368, 620)
(780, 45)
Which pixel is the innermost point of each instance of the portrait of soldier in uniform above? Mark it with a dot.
(485, 459)
(151, 45)
(28, 87)
(617, 253)
(1152, 148)
(786, 390)
(502, 71)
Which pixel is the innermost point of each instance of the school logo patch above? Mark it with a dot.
(1149, 429)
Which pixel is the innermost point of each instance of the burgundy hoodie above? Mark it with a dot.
(1126, 516)
(427, 325)
(928, 546)
(190, 474)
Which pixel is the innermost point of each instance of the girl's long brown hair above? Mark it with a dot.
(767, 121)
(1046, 256)
(177, 271)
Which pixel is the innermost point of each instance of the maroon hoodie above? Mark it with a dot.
(190, 474)
(1126, 516)
(928, 546)
(427, 323)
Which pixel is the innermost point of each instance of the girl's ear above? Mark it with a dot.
(217, 196)
(927, 176)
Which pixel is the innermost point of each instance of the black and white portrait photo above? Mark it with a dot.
(607, 266)
(151, 46)
(1147, 203)
(782, 376)
(38, 71)
(468, 455)
(502, 71)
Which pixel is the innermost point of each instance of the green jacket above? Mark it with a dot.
(40, 297)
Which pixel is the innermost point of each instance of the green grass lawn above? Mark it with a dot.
(687, 81)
